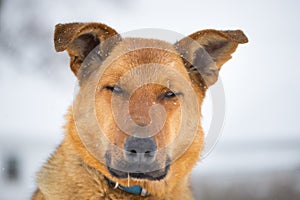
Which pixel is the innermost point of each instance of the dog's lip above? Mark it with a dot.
(148, 175)
(154, 175)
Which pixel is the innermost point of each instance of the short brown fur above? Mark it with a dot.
(73, 172)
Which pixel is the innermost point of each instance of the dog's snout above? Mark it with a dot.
(140, 150)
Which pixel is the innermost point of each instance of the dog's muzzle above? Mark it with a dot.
(139, 160)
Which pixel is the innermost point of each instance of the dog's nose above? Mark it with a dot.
(140, 150)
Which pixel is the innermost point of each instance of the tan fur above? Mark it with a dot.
(73, 172)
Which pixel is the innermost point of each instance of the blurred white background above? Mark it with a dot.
(258, 155)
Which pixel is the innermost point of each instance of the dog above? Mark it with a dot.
(134, 129)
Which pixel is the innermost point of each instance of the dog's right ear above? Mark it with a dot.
(79, 39)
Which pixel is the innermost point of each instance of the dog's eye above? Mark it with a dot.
(169, 95)
(115, 89)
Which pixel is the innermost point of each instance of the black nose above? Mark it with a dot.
(140, 150)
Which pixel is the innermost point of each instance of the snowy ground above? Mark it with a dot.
(272, 185)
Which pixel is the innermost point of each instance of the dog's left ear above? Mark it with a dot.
(206, 51)
(79, 39)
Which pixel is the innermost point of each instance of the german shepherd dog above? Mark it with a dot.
(134, 129)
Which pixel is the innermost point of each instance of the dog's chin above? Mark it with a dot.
(154, 175)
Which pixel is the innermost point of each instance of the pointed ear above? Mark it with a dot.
(206, 51)
(79, 39)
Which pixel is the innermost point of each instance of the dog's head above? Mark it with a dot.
(137, 113)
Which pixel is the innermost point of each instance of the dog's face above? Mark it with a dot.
(141, 96)
(138, 109)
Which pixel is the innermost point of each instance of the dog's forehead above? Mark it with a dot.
(144, 60)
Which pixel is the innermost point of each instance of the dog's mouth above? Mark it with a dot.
(154, 175)
(122, 169)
